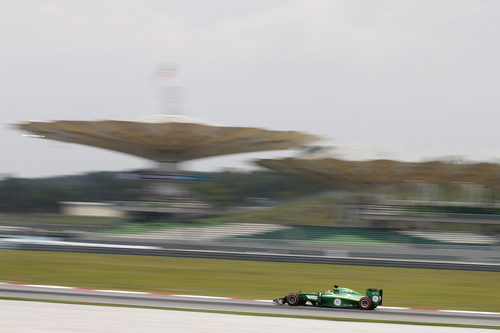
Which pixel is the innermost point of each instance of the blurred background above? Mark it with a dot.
(339, 129)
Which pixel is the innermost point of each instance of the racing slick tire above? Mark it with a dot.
(292, 299)
(365, 303)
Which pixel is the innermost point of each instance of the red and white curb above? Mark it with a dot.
(397, 308)
(439, 310)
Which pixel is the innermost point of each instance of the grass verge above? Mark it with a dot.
(318, 210)
(54, 219)
(134, 227)
(408, 287)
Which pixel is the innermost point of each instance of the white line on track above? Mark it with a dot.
(200, 296)
(121, 291)
(45, 286)
(470, 312)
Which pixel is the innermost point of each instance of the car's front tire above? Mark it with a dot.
(292, 299)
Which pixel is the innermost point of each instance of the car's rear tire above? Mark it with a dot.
(365, 303)
(292, 299)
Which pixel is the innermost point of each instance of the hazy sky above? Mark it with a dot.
(411, 79)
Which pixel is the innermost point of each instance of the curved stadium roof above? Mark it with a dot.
(378, 172)
(167, 138)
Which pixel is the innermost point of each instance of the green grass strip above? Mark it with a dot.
(258, 314)
(59, 219)
(406, 287)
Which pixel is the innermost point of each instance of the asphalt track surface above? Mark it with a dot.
(73, 294)
(36, 317)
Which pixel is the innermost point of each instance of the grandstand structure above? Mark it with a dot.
(432, 194)
(167, 140)
(386, 172)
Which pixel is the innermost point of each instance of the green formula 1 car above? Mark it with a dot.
(338, 298)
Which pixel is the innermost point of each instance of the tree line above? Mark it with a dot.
(223, 189)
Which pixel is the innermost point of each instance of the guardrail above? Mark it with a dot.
(325, 258)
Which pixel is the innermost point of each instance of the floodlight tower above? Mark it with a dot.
(169, 94)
